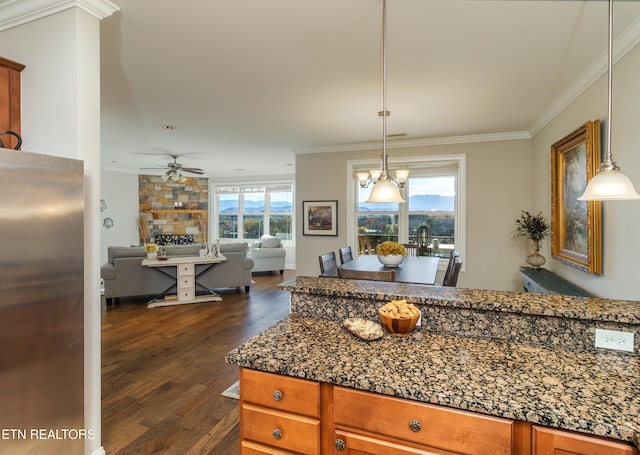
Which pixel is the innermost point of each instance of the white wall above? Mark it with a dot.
(498, 186)
(119, 190)
(621, 219)
(61, 117)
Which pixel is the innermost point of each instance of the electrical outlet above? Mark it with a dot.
(611, 339)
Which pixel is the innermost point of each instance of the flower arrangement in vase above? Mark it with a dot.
(151, 249)
(391, 254)
(535, 228)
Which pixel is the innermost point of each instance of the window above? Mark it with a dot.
(432, 216)
(246, 212)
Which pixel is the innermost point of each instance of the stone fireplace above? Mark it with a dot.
(179, 211)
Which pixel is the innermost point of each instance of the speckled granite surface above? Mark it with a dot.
(507, 354)
(617, 311)
(596, 394)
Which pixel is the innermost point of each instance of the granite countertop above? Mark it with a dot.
(591, 392)
(587, 308)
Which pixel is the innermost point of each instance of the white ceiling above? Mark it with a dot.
(248, 81)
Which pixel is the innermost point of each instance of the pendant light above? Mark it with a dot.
(385, 189)
(609, 184)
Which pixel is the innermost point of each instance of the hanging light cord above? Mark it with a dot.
(385, 169)
(608, 164)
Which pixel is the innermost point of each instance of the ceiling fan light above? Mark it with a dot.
(385, 191)
(609, 185)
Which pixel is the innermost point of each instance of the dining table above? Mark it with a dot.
(414, 269)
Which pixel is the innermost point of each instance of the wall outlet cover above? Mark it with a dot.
(612, 339)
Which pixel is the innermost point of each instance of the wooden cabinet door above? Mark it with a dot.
(547, 441)
(354, 444)
(9, 100)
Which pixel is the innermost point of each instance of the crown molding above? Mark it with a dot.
(621, 47)
(19, 12)
(509, 136)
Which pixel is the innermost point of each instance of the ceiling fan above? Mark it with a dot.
(175, 170)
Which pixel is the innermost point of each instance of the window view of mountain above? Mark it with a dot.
(417, 203)
(255, 207)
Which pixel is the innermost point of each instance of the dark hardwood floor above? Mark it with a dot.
(163, 370)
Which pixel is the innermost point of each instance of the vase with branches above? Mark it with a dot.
(535, 228)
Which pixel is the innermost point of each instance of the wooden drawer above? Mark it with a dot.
(252, 448)
(280, 429)
(280, 392)
(548, 441)
(186, 269)
(186, 281)
(439, 427)
(358, 445)
(186, 294)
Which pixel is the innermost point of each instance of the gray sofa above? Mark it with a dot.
(268, 254)
(124, 276)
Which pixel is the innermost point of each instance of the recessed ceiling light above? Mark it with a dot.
(169, 127)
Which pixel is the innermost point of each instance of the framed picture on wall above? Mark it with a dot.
(576, 226)
(320, 218)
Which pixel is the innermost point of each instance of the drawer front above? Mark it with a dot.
(187, 281)
(186, 294)
(358, 444)
(252, 448)
(552, 441)
(186, 269)
(433, 426)
(281, 429)
(280, 392)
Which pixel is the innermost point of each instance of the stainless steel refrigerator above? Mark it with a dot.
(41, 304)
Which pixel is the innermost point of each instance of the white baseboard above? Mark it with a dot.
(99, 451)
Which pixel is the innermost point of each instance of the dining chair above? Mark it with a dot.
(371, 275)
(346, 254)
(412, 249)
(327, 262)
(454, 254)
(451, 275)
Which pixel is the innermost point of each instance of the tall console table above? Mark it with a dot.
(186, 280)
(542, 281)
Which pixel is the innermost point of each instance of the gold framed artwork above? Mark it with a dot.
(576, 226)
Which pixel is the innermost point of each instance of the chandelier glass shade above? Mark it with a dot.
(609, 184)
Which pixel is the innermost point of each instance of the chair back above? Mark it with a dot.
(412, 249)
(327, 262)
(454, 254)
(345, 254)
(371, 275)
(451, 275)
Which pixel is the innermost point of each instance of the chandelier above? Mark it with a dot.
(385, 187)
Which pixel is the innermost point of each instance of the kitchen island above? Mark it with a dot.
(526, 358)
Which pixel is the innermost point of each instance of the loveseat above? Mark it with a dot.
(268, 254)
(124, 275)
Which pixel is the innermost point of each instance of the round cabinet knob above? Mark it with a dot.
(277, 395)
(277, 433)
(340, 444)
(414, 425)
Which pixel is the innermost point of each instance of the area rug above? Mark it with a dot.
(233, 391)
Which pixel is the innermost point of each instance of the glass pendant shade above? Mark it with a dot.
(610, 185)
(385, 191)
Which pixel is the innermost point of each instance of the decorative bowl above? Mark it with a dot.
(391, 260)
(398, 325)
